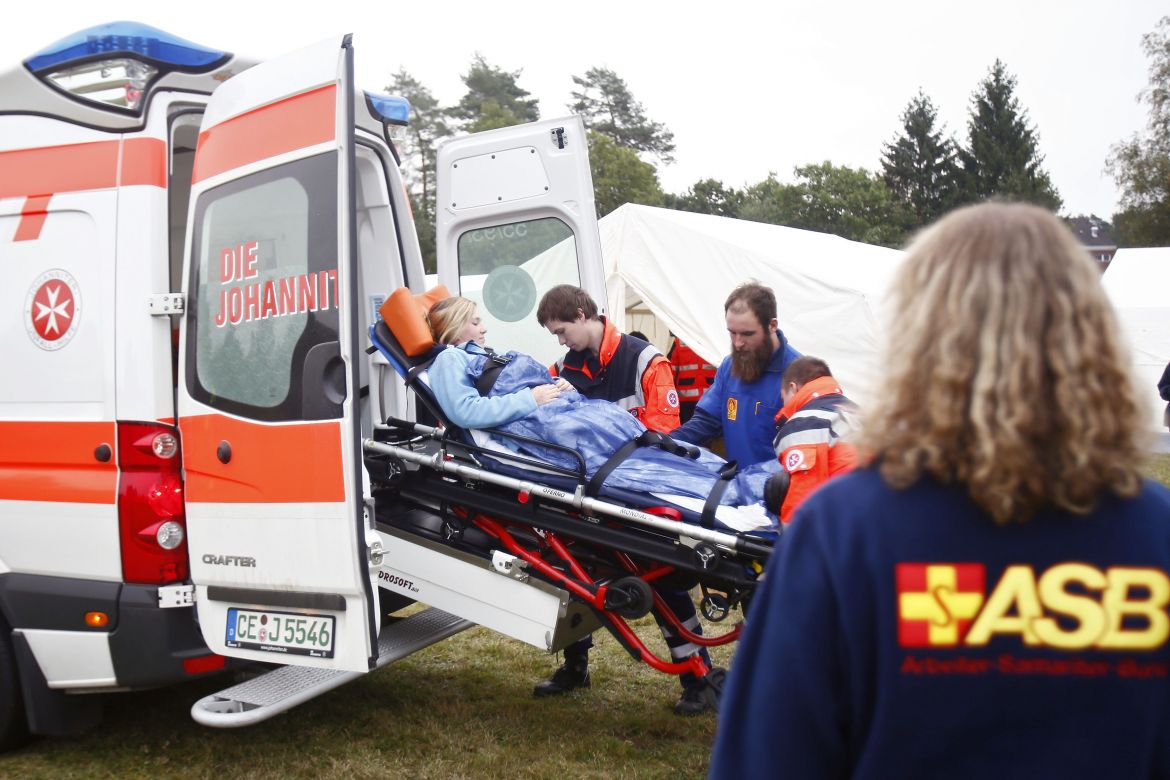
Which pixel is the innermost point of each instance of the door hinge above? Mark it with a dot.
(558, 137)
(166, 304)
(176, 596)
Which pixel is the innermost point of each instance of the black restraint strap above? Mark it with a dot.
(491, 371)
(648, 438)
(413, 372)
(726, 474)
(645, 440)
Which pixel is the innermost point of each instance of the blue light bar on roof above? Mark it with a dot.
(391, 108)
(121, 39)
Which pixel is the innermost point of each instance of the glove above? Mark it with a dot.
(775, 489)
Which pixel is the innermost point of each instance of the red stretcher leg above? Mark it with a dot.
(594, 595)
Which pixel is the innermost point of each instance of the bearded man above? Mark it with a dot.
(743, 402)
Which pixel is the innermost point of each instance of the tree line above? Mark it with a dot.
(924, 171)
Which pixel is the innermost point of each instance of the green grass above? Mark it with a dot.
(1159, 468)
(461, 709)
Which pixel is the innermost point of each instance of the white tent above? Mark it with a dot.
(1138, 283)
(672, 270)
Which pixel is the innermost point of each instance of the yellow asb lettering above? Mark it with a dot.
(1016, 592)
(1085, 610)
(1120, 609)
(1148, 606)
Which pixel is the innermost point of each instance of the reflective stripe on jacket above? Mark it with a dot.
(809, 442)
(692, 374)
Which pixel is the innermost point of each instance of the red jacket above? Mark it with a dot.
(808, 441)
(692, 374)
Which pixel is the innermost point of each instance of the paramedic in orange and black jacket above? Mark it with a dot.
(812, 427)
(604, 363)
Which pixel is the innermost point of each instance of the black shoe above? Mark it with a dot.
(703, 697)
(565, 678)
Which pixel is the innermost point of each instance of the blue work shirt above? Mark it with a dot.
(743, 412)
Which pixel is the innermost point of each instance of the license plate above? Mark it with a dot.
(281, 632)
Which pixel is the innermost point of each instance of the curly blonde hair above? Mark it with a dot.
(448, 317)
(1006, 369)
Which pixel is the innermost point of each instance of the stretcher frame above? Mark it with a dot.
(606, 554)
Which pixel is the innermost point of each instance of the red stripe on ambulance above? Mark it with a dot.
(49, 170)
(265, 465)
(38, 174)
(297, 122)
(57, 461)
(32, 218)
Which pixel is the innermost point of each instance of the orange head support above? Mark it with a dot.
(405, 315)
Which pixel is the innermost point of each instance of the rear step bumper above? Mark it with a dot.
(282, 689)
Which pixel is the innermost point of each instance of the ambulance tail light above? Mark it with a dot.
(151, 522)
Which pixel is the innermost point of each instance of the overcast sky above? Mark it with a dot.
(747, 88)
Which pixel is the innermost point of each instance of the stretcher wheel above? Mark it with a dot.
(714, 607)
(629, 597)
(706, 556)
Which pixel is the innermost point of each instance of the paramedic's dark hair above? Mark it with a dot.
(561, 304)
(756, 297)
(805, 369)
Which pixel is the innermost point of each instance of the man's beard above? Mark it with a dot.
(748, 366)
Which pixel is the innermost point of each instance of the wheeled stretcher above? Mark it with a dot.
(604, 545)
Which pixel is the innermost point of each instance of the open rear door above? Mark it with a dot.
(267, 398)
(515, 217)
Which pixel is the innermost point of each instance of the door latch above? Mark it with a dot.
(558, 137)
(377, 554)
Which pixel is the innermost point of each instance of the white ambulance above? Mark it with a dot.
(193, 247)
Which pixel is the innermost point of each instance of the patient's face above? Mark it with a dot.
(574, 335)
(474, 330)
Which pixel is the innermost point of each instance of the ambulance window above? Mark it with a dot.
(506, 269)
(263, 339)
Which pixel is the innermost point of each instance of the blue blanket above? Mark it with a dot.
(596, 429)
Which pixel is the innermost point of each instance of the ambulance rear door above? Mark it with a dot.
(515, 217)
(268, 393)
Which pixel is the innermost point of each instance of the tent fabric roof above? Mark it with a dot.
(829, 290)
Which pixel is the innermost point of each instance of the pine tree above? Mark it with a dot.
(493, 99)
(920, 166)
(608, 107)
(1002, 159)
(428, 125)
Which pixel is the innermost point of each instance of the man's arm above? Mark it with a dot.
(707, 421)
(700, 429)
(661, 410)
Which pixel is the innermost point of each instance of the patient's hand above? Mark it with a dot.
(563, 384)
(545, 393)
